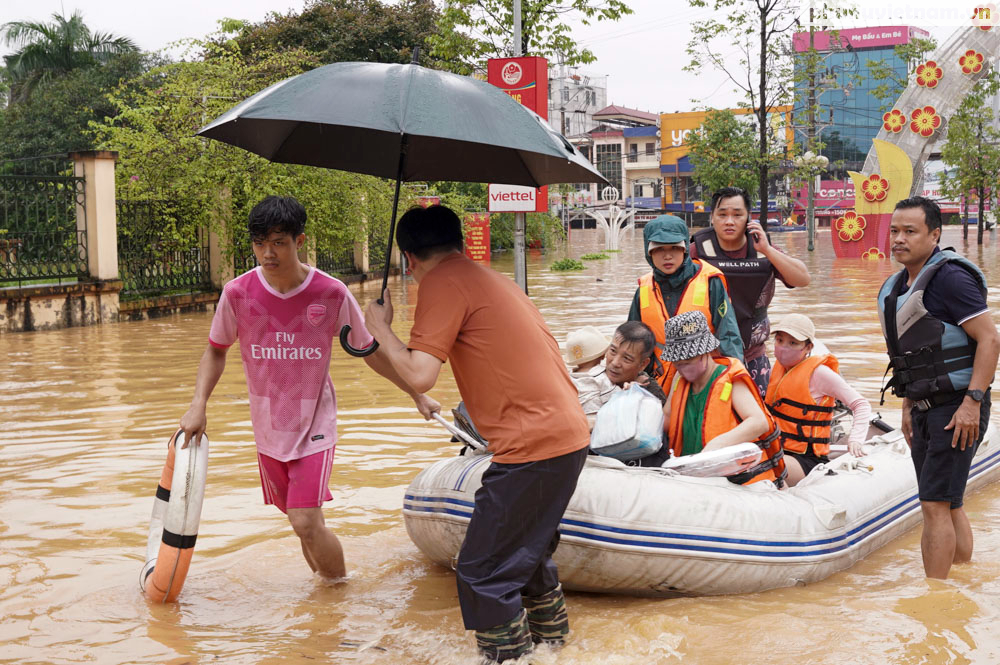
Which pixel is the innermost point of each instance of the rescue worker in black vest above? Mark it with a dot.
(943, 349)
(678, 284)
(739, 247)
(801, 396)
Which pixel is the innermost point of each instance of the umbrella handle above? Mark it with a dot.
(357, 353)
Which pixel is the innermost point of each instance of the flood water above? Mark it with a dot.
(85, 414)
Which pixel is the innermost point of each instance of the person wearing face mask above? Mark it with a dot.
(801, 398)
(739, 247)
(713, 403)
(678, 283)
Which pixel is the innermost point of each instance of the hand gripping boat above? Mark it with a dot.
(173, 527)
(653, 532)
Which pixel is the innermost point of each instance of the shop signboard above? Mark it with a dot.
(526, 80)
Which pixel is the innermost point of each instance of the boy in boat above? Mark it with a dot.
(943, 348)
(511, 375)
(629, 351)
(285, 315)
(739, 247)
(679, 283)
(712, 402)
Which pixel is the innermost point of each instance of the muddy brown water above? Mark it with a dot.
(85, 414)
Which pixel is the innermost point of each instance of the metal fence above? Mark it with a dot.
(337, 262)
(153, 259)
(40, 240)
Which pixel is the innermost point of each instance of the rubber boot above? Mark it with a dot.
(507, 641)
(547, 618)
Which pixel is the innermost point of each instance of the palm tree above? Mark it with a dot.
(49, 50)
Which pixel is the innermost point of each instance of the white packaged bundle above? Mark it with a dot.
(629, 426)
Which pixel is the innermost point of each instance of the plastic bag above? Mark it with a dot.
(629, 426)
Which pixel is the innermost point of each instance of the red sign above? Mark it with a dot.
(428, 201)
(477, 237)
(526, 80)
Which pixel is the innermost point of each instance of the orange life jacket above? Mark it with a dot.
(720, 417)
(804, 422)
(654, 313)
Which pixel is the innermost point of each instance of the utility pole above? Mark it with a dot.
(520, 258)
(810, 140)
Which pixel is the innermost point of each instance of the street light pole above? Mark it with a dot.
(810, 138)
(520, 258)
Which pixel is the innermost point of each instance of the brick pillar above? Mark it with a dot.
(99, 213)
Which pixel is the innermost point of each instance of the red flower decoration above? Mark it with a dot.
(971, 62)
(894, 121)
(928, 74)
(873, 254)
(924, 121)
(875, 188)
(850, 227)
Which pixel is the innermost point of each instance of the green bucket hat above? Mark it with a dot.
(665, 230)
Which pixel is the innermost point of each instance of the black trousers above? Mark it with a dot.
(510, 540)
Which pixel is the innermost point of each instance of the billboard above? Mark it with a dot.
(526, 80)
(878, 37)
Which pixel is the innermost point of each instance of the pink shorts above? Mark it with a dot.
(297, 483)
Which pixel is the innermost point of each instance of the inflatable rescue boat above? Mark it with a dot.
(655, 532)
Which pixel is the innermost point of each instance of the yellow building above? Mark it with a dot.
(675, 167)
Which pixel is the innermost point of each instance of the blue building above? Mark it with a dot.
(849, 115)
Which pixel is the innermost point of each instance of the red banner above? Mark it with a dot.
(477, 237)
(428, 201)
(526, 80)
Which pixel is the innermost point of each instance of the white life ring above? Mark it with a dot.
(173, 527)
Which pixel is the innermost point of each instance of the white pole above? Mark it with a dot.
(520, 257)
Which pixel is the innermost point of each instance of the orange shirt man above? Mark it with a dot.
(511, 375)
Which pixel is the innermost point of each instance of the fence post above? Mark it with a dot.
(361, 255)
(99, 215)
(220, 264)
(308, 252)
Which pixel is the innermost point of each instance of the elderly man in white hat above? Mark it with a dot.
(712, 401)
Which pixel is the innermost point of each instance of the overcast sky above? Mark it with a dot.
(642, 54)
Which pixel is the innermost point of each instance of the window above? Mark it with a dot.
(650, 149)
(609, 163)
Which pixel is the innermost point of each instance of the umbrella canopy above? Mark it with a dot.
(358, 116)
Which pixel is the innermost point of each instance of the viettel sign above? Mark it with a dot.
(526, 81)
(514, 198)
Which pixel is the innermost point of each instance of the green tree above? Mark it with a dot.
(724, 152)
(204, 183)
(973, 147)
(348, 30)
(55, 118)
(49, 50)
(891, 82)
(760, 31)
(472, 31)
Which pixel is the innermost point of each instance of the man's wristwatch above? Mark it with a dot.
(976, 395)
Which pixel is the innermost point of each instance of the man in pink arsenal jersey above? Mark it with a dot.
(285, 315)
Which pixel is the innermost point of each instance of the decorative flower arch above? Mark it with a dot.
(924, 121)
(851, 226)
(971, 62)
(894, 121)
(928, 74)
(875, 188)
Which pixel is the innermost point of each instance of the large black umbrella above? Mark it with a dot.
(404, 122)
